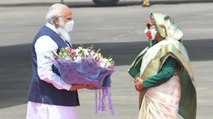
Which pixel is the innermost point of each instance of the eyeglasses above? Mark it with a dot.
(148, 25)
(68, 18)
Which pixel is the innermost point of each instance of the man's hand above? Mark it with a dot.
(139, 84)
(80, 86)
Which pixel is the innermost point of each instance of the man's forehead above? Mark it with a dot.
(67, 12)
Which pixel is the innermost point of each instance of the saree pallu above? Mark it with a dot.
(152, 61)
(162, 102)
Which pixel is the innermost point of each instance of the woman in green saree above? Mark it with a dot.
(163, 74)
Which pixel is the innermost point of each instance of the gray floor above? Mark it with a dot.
(118, 30)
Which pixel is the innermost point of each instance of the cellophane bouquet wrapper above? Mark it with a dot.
(85, 72)
(85, 66)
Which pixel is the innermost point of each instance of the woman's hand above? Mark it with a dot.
(139, 84)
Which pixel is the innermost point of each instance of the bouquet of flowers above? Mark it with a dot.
(86, 66)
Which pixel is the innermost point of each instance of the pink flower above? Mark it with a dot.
(69, 49)
(98, 58)
(72, 51)
(92, 53)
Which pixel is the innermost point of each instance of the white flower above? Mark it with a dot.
(88, 53)
(78, 59)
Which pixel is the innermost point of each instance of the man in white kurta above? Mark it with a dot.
(49, 96)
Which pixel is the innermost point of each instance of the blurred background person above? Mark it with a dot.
(146, 3)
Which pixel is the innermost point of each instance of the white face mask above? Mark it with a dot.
(63, 32)
(69, 26)
(150, 33)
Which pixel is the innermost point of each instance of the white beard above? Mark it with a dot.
(64, 34)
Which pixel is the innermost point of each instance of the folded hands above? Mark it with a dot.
(139, 84)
